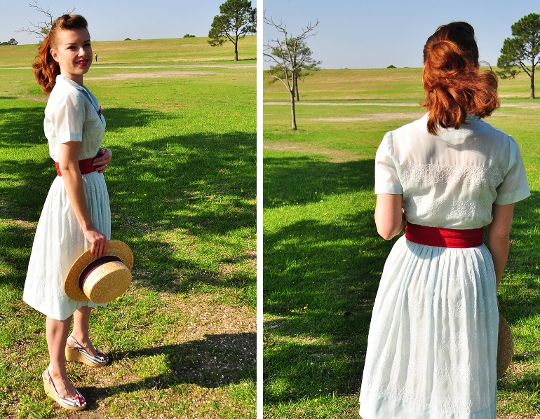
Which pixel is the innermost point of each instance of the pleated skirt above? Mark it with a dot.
(432, 344)
(59, 241)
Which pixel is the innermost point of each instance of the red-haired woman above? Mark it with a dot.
(76, 213)
(432, 345)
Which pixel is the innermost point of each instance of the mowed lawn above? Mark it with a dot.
(323, 257)
(181, 123)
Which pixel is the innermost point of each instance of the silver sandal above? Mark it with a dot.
(79, 354)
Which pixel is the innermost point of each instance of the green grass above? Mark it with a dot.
(182, 129)
(323, 257)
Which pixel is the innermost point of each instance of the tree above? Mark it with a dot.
(522, 49)
(291, 56)
(12, 41)
(303, 56)
(41, 29)
(236, 20)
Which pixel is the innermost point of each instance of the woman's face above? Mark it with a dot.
(73, 53)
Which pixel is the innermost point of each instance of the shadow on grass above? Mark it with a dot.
(321, 288)
(216, 361)
(23, 127)
(200, 187)
(519, 291)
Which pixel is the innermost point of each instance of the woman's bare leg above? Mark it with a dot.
(81, 326)
(57, 333)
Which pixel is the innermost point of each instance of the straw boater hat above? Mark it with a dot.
(103, 279)
(505, 349)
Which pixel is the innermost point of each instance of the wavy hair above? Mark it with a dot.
(453, 83)
(45, 67)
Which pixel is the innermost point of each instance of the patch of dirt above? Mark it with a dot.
(336, 156)
(388, 116)
(385, 104)
(205, 354)
(150, 75)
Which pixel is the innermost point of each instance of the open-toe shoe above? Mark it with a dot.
(76, 402)
(79, 354)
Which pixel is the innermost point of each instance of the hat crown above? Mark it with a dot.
(103, 279)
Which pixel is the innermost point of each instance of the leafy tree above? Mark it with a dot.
(291, 56)
(12, 41)
(301, 54)
(237, 18)
(41, 29)
(521, 50)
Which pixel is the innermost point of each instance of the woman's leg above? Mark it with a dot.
(81, 337)
(57, 333)
(81, 329)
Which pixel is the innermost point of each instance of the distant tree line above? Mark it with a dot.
(12, 41)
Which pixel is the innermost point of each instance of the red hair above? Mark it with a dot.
(453, 82)
(45, 67)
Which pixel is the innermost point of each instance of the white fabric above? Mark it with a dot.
(432, 344)
(71, 115)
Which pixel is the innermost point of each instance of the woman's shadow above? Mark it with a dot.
(215, 361)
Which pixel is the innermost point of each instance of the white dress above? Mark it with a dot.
(72, 114)
(432, 344)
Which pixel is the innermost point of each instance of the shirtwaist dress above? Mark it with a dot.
(432, 344)
(72, 114)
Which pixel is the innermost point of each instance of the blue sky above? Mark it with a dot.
(110, 20)
(378, 33)
(350, 34)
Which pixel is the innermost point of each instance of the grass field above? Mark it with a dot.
(323, 257)
(181, 122)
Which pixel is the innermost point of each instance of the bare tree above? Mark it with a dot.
(290, 56)
(41, 29)
(303, 55)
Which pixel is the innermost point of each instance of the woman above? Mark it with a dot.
(432, 344)
(76, 214)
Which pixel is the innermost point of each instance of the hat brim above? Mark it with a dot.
(505, 347)
(114, 248)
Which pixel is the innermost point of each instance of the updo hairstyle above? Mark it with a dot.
(453, 83)
(45, 67)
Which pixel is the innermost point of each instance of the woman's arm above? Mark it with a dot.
(389, 216)
(69, 166)
(499, 237)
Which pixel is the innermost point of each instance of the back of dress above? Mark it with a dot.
(450, 180)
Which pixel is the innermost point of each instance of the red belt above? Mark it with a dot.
(444, 237)
(85, 166)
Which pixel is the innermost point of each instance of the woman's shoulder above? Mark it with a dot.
(66, 87)
(65, 93)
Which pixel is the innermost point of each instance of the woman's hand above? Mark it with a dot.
(98, 242)
(102, 160)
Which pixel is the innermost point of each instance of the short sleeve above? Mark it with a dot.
(386, 177)
(514, 187)
(69, 116)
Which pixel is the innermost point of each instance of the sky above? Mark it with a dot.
(379, 33)
(350, 33)
(110, 20)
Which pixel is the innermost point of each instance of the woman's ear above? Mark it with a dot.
(53, 54)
